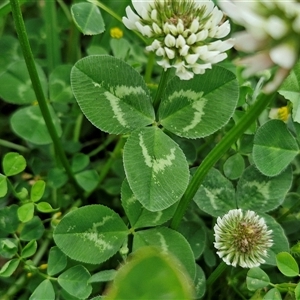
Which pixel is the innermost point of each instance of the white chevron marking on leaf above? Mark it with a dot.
(115, 105)
(157, 164)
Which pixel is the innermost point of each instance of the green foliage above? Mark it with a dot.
(234, 166)
(13, 163)
(260, 192)
(257, 279)
(272, 153)
(216, 195)
(15, 84)
(34, 129)
(75, 282)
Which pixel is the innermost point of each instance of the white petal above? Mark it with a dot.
(221, 45)
(191, 39)
(191, 58)
(164, 63)
(144, 30)
(201, 50)
(180, 27)
(276, 27)
(166, 28)
(173, 29)
(209, 6)
(184, 50)
(183, 74)
(154, 15)
(202, 35)
(216, 17)
(209, 55)
(180, 42)
(231, 10)
(156, 28)
(131, 19)
(246, 42)
(256, 63)
(140, 5)
(160, 52)
(154, 46)
(284, 55)
(170, 41)
(223, 30)
(200, 69)
(274, 85)
(170, 53)
(194, 26)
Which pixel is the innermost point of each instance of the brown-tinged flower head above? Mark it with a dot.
(185, 33)
(271, 35)
(242, 238)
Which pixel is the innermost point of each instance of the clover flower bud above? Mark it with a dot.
(181, 28)
(242, 238)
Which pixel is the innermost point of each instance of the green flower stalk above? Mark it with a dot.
(185, 33)
(242, 238)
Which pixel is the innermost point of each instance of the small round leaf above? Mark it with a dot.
(37, 190)
(261, 193)
(34, 129)
(29, 249)
(32, 230)
(257, 279)
(44, 291)
(216, 195)
(87, 18)
(25, 212)
(273, 294)
(45, 207)
(75, 282)
(9, 267)
(234, 166)
(13, 163)
(274, 148)
(3, 185)
(287, 264)
(57, 261)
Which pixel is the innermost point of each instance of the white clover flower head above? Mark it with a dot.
(271, 35)
(242, 238)
(185, 33)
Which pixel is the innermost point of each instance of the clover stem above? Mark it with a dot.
(38, 90)
(161, 88)
(216, 274)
